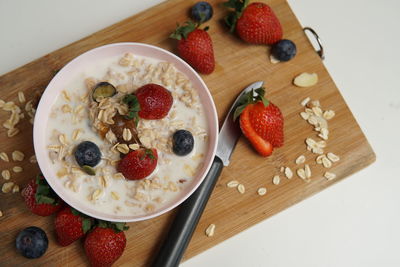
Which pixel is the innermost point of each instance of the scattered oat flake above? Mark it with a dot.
(21, 97)
(301, 173)
(96, 194)
(305, 101)
(300, 159)
(7, 187)
(333, 157)
(4, 157)
(1, 213)
(232, 184)
(262, 191)
(306, 79)
(276, 180)
(241, 188)
(307, 171)
(17, 155)
(12, 132)
(6, 174)
(288, 173)
(15, 188)
(17, 169)
(329, 176)
(32, 159)
(329, 114)
(210, 230)
(76, 134)
(326, 162)
(282, 169)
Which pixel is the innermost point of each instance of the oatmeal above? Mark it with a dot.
(96, 110)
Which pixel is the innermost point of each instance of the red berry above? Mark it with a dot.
(155, 101)
(70, 226)
(195, 47)
(103, 246)
(43, 204)
(257, 23)
(138, 164)
(263, 147)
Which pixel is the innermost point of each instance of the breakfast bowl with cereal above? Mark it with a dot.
(125, 132)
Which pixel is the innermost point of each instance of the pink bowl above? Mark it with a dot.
(77, 66)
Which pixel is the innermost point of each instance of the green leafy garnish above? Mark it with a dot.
(251, 97)
(133, 108)
(89, 170)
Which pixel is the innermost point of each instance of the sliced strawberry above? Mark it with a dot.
(261, 121)
(264, 148)
(40, 198)
(138, 164)
(155, 101)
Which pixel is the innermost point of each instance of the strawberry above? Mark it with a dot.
(40, 198)
(261, 122)
(255, 23)
(70, 225)
(195, 47)
(138, 164)
(105, 243)
(155, 101)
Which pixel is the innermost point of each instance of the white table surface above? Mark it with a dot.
(353, 223)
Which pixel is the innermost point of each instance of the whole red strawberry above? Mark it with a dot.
(261, 122)
(70, 225)
(40, 198)
(195, 47)
(105, 244)
(255, 23)
(155, 101)
(138, 164)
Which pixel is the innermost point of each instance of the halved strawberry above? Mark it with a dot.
(261, 122)
(138, 164)
(264, 148)
(40, 198)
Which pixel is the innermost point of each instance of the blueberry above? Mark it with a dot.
(182, 142)
(32, 242)
(284, 50)
(87, 153)
(202, 11)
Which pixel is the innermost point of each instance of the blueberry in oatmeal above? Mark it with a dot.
(103, 90)
(182, 142)
(87, 153)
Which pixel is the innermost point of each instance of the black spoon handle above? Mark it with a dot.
(186, 220)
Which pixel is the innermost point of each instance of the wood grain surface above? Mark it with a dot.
(237, 65)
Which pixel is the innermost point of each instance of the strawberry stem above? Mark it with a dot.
(251, 97)
(183, 31)
(238, 7)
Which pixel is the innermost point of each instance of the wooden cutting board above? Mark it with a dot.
(238, 65)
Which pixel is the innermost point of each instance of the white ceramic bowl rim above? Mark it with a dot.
(68, 72)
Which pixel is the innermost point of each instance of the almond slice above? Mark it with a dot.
(306, 79)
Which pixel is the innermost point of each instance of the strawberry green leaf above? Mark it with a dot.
(102, 224)
(133, 108)
(75, 212)
(150, 153)
(238, 7)
(238, 111)
(86, 225)
(44, 194)
(183, 31)
(251, 97)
